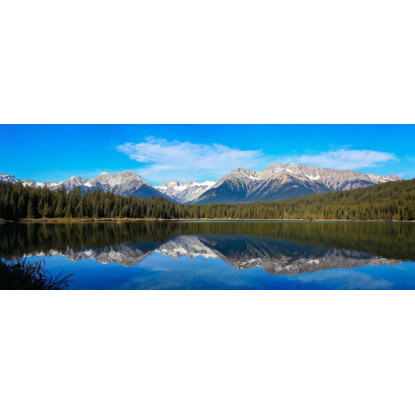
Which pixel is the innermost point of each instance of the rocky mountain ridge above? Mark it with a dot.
(284, 181)
(126, 183)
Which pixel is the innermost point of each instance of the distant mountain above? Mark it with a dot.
(285, 181)
(276, 182)
(126, 183)
(70, 184)
(9, 178)
(184, 192)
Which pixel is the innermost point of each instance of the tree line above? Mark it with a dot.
(18, 202)
(388, 201)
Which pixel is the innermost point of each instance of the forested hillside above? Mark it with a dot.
(388, 201)
(18, 201)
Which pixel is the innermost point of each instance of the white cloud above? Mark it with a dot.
(346, 159)
(165, 160)
(189, 161)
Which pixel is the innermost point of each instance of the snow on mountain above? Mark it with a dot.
(126, 183)
(30, 183)
(383, 179)
(72, 183)
(108, 180)
(184, 192)
(333, 179)
(8, 178)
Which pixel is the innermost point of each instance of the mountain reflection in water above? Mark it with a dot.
(280, 248)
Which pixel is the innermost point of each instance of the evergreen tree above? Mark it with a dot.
(31, 208)
(59, 207)
(45, 212)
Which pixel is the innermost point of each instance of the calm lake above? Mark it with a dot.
(220, 255)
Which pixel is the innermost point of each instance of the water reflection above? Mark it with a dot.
(287, 248)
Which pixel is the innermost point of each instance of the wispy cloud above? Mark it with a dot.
(182, 160)
(345, 159)
(189, 161)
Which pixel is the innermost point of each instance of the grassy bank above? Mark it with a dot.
(25, 275)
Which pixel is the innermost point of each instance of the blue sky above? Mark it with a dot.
(200, 152)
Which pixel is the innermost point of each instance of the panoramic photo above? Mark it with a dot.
(202, 207)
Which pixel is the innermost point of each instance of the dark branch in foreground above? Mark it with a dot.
(23, 275)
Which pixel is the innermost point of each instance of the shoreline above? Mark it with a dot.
(89, 220)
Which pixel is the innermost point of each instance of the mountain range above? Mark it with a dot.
(126, 183)
(285, 181)
(276, 182)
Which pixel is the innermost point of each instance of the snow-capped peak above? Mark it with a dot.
(184, 192)
(171, 184)
(125, 177)
(8, 178)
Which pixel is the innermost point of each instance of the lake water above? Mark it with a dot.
(220, 255)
